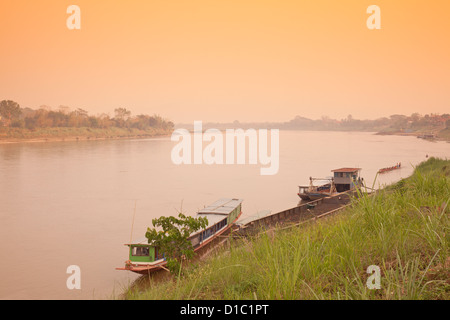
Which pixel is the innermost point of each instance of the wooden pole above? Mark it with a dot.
(132, 224)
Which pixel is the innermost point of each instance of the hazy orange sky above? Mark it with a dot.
(222, 60)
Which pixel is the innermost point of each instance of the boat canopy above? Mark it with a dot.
(212, 218)
(222, 207)
(350, 170)
(141, 241)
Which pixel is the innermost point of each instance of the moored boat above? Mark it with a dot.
(384, 170)
(344, 179)
(314, 192)
(145, 258)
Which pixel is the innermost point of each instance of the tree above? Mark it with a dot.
(122, 115)
(42, 119)
(156, 121)
(104, 121)
(173, 238)
(78, 118)
(9, 110)
(30, 123)
(415, 117)
(141, 122)
(64, 109)
(93, 122)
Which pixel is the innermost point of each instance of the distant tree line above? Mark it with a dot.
(12, 115)
(396, 122)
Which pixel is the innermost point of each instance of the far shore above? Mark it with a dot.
(443, 135)
(60, 139)
(18, 135)
(78, 134)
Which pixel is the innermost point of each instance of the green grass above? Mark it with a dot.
(404, 229)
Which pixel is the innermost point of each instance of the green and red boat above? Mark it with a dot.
(145, 258)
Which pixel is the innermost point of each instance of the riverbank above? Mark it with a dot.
(15, 135)
(440, 135)
(403, 230)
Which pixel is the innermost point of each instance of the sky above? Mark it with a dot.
(226, 60)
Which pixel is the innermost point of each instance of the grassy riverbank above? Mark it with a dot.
(404, 230)
(8, 135)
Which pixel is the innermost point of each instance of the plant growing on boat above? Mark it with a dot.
(172, 237)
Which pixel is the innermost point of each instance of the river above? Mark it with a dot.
(74, 203)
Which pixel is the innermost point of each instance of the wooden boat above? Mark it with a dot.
(313, 192)
(344, 179)
(429, 136)
(388, 169)
(144, 258)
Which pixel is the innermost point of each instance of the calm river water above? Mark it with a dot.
(72, 203)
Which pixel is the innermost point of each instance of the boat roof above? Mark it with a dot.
(215, 212)
(223, 206)
(143, 241)
(346, 170)
(212, 218)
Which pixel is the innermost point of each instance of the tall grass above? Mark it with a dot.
(403, 229)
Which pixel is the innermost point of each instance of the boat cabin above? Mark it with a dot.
(143, 252)
(346, 178)
(221, 214)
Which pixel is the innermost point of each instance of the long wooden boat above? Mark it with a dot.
(145, 258)
(388, 169)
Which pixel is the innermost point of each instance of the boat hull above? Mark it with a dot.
(386, 170)
(303, 196)
(311, 196)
